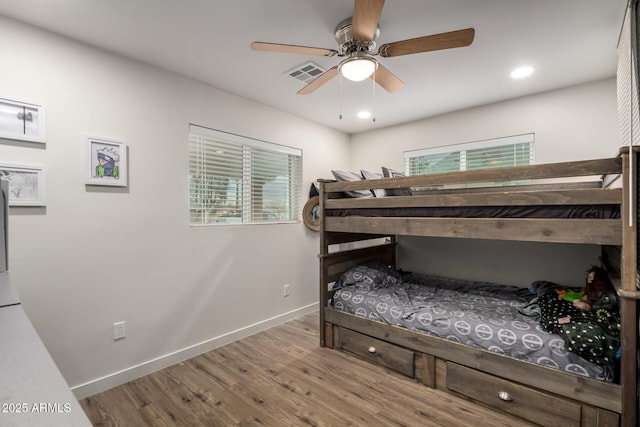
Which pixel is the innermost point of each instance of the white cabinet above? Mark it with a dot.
(32, 389)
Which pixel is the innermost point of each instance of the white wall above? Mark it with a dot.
(574, 123)
(98, 255)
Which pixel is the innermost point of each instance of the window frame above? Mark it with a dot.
(247, 200)
(463, 148)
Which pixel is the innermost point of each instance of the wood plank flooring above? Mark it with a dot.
(281, 377)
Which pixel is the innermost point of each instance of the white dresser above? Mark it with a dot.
(32, 390)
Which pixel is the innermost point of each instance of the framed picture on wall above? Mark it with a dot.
(22, 120)
(26, 184)
(106, 162)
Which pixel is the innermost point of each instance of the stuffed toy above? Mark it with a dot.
(598, 291)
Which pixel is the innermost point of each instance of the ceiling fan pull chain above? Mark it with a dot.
(374, 96)
(340, 76)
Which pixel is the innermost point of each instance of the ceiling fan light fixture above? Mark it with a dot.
(358, 68)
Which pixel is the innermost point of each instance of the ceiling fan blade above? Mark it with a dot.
(387, 79)
(289, 48)
(366, 14)
(319, 81)
(430, 43)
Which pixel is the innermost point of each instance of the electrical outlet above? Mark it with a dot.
(119, 330)
(286, 290)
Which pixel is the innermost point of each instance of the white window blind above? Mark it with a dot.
(499, 152)
(627, 85)
(239, 180)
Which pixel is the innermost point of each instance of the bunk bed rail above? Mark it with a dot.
(598, 167)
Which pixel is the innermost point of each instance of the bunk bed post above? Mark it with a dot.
(324, 251)
(394, 254)
(628, 289)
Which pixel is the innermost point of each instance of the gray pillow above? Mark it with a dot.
(369, 276)
(378, 192)
(392, 173)
(351, 176)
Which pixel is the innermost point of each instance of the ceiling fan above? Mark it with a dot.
(356, 41)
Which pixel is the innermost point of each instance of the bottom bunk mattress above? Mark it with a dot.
(478, 314)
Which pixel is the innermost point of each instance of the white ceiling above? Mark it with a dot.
(567, 41)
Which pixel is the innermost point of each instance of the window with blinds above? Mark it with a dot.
(239, 180)
(627, 82)
(494, 153)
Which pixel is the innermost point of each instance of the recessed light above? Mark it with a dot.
(364, 115)
(521, 72)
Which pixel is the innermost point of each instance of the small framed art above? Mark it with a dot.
(22, 120)
(26, 184)
(106, 162)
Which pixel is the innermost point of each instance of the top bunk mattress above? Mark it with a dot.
(545, 211)
(478, 314)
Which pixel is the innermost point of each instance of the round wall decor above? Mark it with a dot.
(311, 214)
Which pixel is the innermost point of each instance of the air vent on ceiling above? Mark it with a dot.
(306, 72)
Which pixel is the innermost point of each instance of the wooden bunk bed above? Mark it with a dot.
(514, 386)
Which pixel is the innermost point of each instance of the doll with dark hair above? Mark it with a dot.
(598, 291)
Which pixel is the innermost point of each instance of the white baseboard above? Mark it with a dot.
(117, 378)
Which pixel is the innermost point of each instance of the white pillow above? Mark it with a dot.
(351, 176)
(378, 192)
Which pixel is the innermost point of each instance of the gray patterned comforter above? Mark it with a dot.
(478, 314)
